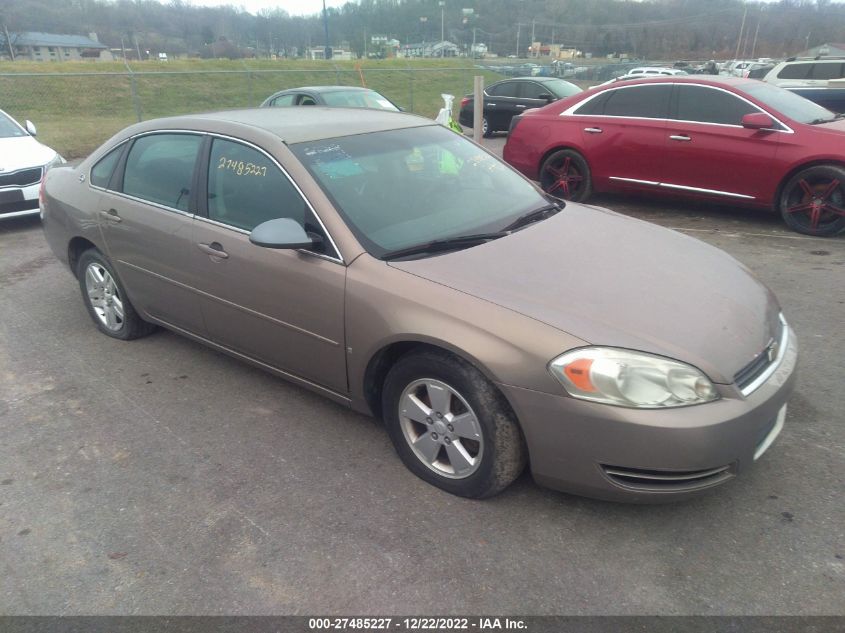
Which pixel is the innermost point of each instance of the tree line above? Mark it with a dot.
(656, 29)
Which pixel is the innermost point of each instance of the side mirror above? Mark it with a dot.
(281, 233)
(30, 127)
(546, 96)
(757, 121)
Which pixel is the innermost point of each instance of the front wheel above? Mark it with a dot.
(565, 174)
(451, 426)
(486, 130)
(813, 201)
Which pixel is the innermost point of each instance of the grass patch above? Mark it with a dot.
(78, 105)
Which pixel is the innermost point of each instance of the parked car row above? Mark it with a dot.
(737, 140)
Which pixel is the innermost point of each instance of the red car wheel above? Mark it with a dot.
(565, 174)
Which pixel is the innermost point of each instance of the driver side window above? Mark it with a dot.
(246, 188)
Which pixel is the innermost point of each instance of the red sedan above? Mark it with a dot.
(736, 140)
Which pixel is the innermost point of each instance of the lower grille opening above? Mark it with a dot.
(666, 480)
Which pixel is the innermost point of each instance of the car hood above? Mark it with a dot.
(612, 280)
(20, 152)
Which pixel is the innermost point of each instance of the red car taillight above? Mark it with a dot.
(464, 101)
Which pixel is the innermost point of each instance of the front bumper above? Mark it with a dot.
(18, 201)
(648, 455)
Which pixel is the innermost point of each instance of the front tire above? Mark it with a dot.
(813, 201)
(106, 300)
(451, 426)
(565, 174)
(486, 130)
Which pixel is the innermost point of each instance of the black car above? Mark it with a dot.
(332, 96)
(505, 99)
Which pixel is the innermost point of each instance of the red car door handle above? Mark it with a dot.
(680, 137)
(592, 130)
(215, 249)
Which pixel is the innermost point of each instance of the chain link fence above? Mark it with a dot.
(76, 111)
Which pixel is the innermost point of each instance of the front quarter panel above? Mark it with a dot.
(385, 305)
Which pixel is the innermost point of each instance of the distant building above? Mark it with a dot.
(479, 50)
(53, 47)
(431, 49)
(555, 51)
(319, 52)
(824, 50)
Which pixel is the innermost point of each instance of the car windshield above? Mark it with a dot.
(8, 128)
(358, 99)
(788, 103)
(402, 188)
(561, 88)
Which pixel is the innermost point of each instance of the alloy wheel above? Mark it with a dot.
(562, 179)
(104, 296)
(816, 204)
(441, 428)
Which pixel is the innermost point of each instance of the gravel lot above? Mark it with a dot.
(159, 476)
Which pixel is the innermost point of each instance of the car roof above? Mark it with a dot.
(292, 125)
(322, 89)
(715, 80)
(538, 78)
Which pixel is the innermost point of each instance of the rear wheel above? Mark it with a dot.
(451, 426)
(565, 174)
(106, 300)
(813, 201)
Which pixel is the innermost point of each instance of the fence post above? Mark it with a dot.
(248, 83)
(133, 91)
(477, 113)
(410, 88)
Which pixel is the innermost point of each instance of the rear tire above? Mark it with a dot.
(451, 426)
(106, 300)
(813, 201)
(565, 174)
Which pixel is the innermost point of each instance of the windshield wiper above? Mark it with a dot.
(818, 121)
(534, 216)
(446, 244)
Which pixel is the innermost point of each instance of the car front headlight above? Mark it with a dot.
(55, 162)
(631, 379)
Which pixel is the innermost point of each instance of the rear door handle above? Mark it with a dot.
(680, 137)
(111, 216)
(592, 130)
(215, 249)
(521, 105)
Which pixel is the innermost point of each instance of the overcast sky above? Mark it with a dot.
(294, 7)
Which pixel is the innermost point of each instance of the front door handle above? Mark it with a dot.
(111, 216)
(215, 249)
(490, 105)
(680, 137)
(592, 130)
(520, 105)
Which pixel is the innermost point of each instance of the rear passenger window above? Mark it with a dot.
(160, 169)
(283, 101)
(707, 105)
(827, 71)
(102, 171)
(594, 105)
(651, 102)
(795, 71)
(504, 89)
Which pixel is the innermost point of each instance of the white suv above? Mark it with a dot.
(807, 72)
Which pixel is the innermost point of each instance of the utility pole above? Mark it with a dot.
(326, 51)
(754, 45)
(517, 38)
(472, 50)
(533, 52)
(741, 29)
(807, 40)
(9, 43)
(442, 14)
